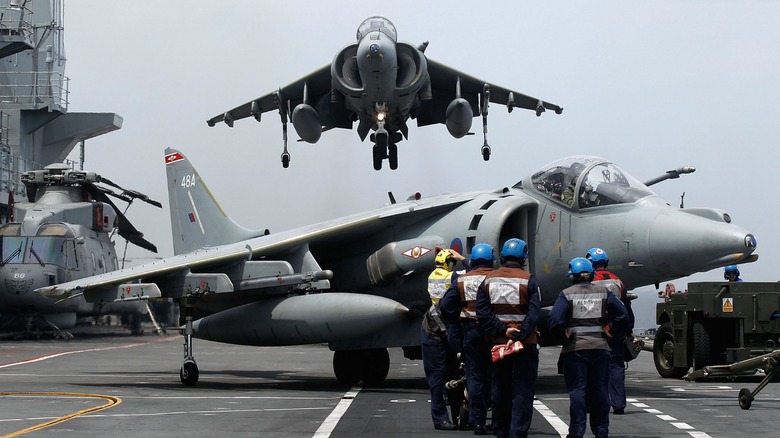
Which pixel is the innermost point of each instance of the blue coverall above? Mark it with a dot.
(586, 366)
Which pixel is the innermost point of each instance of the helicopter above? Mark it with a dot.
(62, 233)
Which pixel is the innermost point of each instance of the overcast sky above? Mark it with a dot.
(649, 85)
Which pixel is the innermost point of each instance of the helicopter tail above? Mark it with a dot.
(197, 219)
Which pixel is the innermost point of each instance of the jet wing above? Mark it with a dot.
(333, 234)
(317, 83)
(443, 88)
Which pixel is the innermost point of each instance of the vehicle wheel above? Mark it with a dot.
(378, 157)
(189, 374)
(745, 398)
(663, 353)
(392, 156)
(347, 365)
(702, 347)
(376, 365)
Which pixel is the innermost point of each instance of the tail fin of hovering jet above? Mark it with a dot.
(197, 219)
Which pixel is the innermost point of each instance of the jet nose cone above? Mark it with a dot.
(683, 243)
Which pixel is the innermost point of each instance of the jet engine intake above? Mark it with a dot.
(345, 73)
(307, 123)
(459, 116)
(412, 70)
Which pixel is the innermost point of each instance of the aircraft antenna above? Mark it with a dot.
(682, 200)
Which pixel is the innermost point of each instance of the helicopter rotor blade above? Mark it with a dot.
(130, 193)
(126, 229)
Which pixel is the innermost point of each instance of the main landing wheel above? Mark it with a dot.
(189, 373)
(392, 156)
(370, 366)
(379, 155)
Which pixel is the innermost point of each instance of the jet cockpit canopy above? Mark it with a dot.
(592, 181)
(377, 24)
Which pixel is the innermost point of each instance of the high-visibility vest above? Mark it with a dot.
(611, 281)
(508, 291)
(438, 283)
(587, 316)
(468, 284)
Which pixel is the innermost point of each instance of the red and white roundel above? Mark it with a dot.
(416, 252)
(552, 217)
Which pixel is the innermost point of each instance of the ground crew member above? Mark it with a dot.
(439, 360)
(731, 273)
(460, 301)
(617, 363)
(508, 304)
(669, 290)
(582, 313)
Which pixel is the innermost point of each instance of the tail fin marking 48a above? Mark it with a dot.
(197, 219)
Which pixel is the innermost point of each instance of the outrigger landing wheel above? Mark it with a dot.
(189, 373)
(745, 398)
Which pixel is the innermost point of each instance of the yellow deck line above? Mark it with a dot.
(112, 401)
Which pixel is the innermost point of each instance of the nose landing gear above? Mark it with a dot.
(385, 147)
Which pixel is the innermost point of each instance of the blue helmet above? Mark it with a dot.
(598, 257)
(729, 270)
(482, 251)
(515, 248)
(578, 266)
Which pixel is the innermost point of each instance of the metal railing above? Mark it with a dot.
(16, 21)
(11, 169)
(4, 119)
(35, 89)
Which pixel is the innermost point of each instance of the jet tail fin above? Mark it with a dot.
(197, 219)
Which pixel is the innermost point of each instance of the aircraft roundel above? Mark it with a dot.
(416, 252)
(457, 245)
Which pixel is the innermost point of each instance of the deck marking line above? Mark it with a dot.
(65, 353)
(330, 423)
(683, 426)
(111, 402)
(671, 420)
(555, 421)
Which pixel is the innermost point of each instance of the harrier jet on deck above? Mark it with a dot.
(381, 83)
(358, 283)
